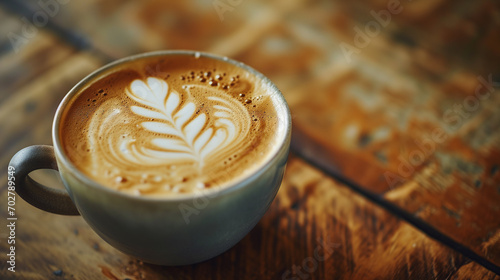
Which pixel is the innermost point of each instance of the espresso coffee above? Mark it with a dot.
(172, 124)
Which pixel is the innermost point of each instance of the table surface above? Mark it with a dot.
(395, 160)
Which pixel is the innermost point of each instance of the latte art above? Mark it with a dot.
(186, 133)
(171, 134)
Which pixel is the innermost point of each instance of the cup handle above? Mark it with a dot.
(48, 199)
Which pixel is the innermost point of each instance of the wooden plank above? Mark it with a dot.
(120, 28)
(27, 110)
(445, 33)
(372, 116)
(27, 58)
(365, 241)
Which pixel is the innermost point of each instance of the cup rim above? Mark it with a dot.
(283, 140)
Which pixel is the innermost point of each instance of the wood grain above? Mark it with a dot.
(372, 119)
(374, 124)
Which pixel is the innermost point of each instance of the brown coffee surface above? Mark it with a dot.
(172, 124)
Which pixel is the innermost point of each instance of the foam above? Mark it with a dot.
(161, 126)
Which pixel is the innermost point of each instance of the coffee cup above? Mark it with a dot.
(145, 184)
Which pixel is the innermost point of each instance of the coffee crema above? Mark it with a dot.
(171, 124)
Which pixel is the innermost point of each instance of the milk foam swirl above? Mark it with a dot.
(184, 135)
(188, 131)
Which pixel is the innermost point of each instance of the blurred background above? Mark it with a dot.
(395, 104)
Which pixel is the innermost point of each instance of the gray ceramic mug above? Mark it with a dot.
(154, 229)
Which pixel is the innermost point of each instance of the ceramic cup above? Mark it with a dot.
(153, 229)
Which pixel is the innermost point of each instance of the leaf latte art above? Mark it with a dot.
(192, 124)
(186, 133)
(176, 129)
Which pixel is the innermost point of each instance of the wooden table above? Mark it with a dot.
(395, 163)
